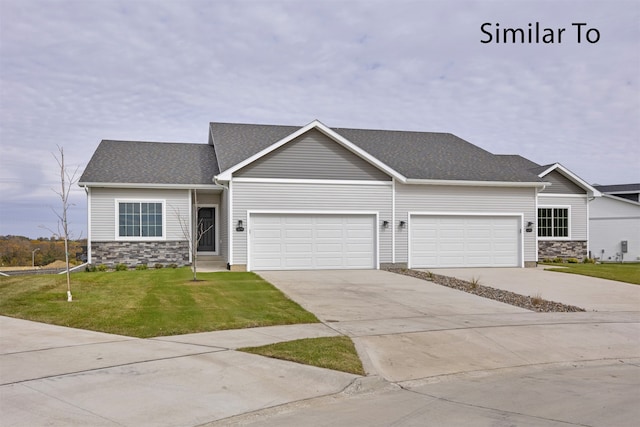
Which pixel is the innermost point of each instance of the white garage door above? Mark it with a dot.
(310, 242)
(464, 241)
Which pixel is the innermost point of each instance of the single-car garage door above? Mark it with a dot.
(464, 241)
(311, 241)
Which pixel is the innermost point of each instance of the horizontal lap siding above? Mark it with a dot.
(312, 156)
(309, 197)
(560, 185)
(103, 210)
(428, 198)
(578, 220)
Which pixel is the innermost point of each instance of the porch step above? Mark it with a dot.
(211, 263)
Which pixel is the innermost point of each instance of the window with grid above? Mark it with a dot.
(553, 222)
(140, 219)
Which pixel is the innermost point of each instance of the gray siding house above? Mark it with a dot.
(313, 197)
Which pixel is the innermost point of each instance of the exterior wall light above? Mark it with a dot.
(385, 224)
(239, 227)
(403, 224)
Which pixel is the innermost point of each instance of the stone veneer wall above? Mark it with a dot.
(135, 253)
(562, 248)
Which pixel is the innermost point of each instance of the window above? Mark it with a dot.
(139, 219)
(553, 222)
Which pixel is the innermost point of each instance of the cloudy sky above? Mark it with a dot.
(75, 72)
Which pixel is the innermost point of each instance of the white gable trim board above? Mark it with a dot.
(464, 239)
(309, 240)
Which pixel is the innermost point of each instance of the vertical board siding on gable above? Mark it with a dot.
(560, 185)
(310, 197)
(103, 210)
(431, 198)
(312, 156)
(578, 219)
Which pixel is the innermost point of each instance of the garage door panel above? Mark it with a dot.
(311, 241)
(464, 241)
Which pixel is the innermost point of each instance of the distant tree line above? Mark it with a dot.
(18, 250)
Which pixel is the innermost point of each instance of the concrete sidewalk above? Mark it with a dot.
(590, 293)
(51, 375)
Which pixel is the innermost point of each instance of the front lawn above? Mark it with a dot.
(628, 272)
(150, 303)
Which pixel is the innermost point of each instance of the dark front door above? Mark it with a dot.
(206, 231)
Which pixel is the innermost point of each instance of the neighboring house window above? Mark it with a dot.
(140, 219)
(553, 222)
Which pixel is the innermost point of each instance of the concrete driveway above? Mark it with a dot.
(590, 293)
(468, 360)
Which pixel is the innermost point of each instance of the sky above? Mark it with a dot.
(74, 72)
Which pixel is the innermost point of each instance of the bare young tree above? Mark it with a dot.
(193, 237)
(67, 179)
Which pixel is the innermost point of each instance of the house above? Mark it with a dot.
(614, 223)
(313, 197)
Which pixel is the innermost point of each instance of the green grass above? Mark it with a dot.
(337, 353)
(150, 303)
(628, 272)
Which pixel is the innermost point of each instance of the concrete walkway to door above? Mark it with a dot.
(590, 293)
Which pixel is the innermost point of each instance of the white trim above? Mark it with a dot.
(462, 214)
(230, 226)
(588, 228)
(190, 226)
(227, 174)
(474, 183)
(576, 196)
(393, 220)
(151, 185)
(88, 225)
(311, 181)
(216, 227)
(376, 225)
(572, 177)
(140, 238)
(553, 238)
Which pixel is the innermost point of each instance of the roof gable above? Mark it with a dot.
(312, 155)
(225, 175)
(547, 170)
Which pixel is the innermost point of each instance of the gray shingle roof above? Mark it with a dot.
(619, 188)
(416, 155)
(151, 163)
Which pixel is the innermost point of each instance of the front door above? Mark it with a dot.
(206, 231)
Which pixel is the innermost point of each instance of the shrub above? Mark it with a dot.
(572, 260)
(122, 267)
(588, 260)
(475, 281)
(558, 260)
(102, 267)
(90, 268)
(141, 267)
(158, 266)
(172, 266)
(536, 299)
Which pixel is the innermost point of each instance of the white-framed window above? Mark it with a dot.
(553, 222)
(143, 220)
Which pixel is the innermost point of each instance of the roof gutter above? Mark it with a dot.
(150, 185)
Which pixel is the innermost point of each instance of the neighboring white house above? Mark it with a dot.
(614, 218)
(314, 197)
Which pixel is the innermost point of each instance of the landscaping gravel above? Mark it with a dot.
(532, 303)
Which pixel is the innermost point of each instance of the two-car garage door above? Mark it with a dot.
(464, 241)
(312, 241)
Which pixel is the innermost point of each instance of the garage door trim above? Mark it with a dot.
(373, 214)
(518, 216)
